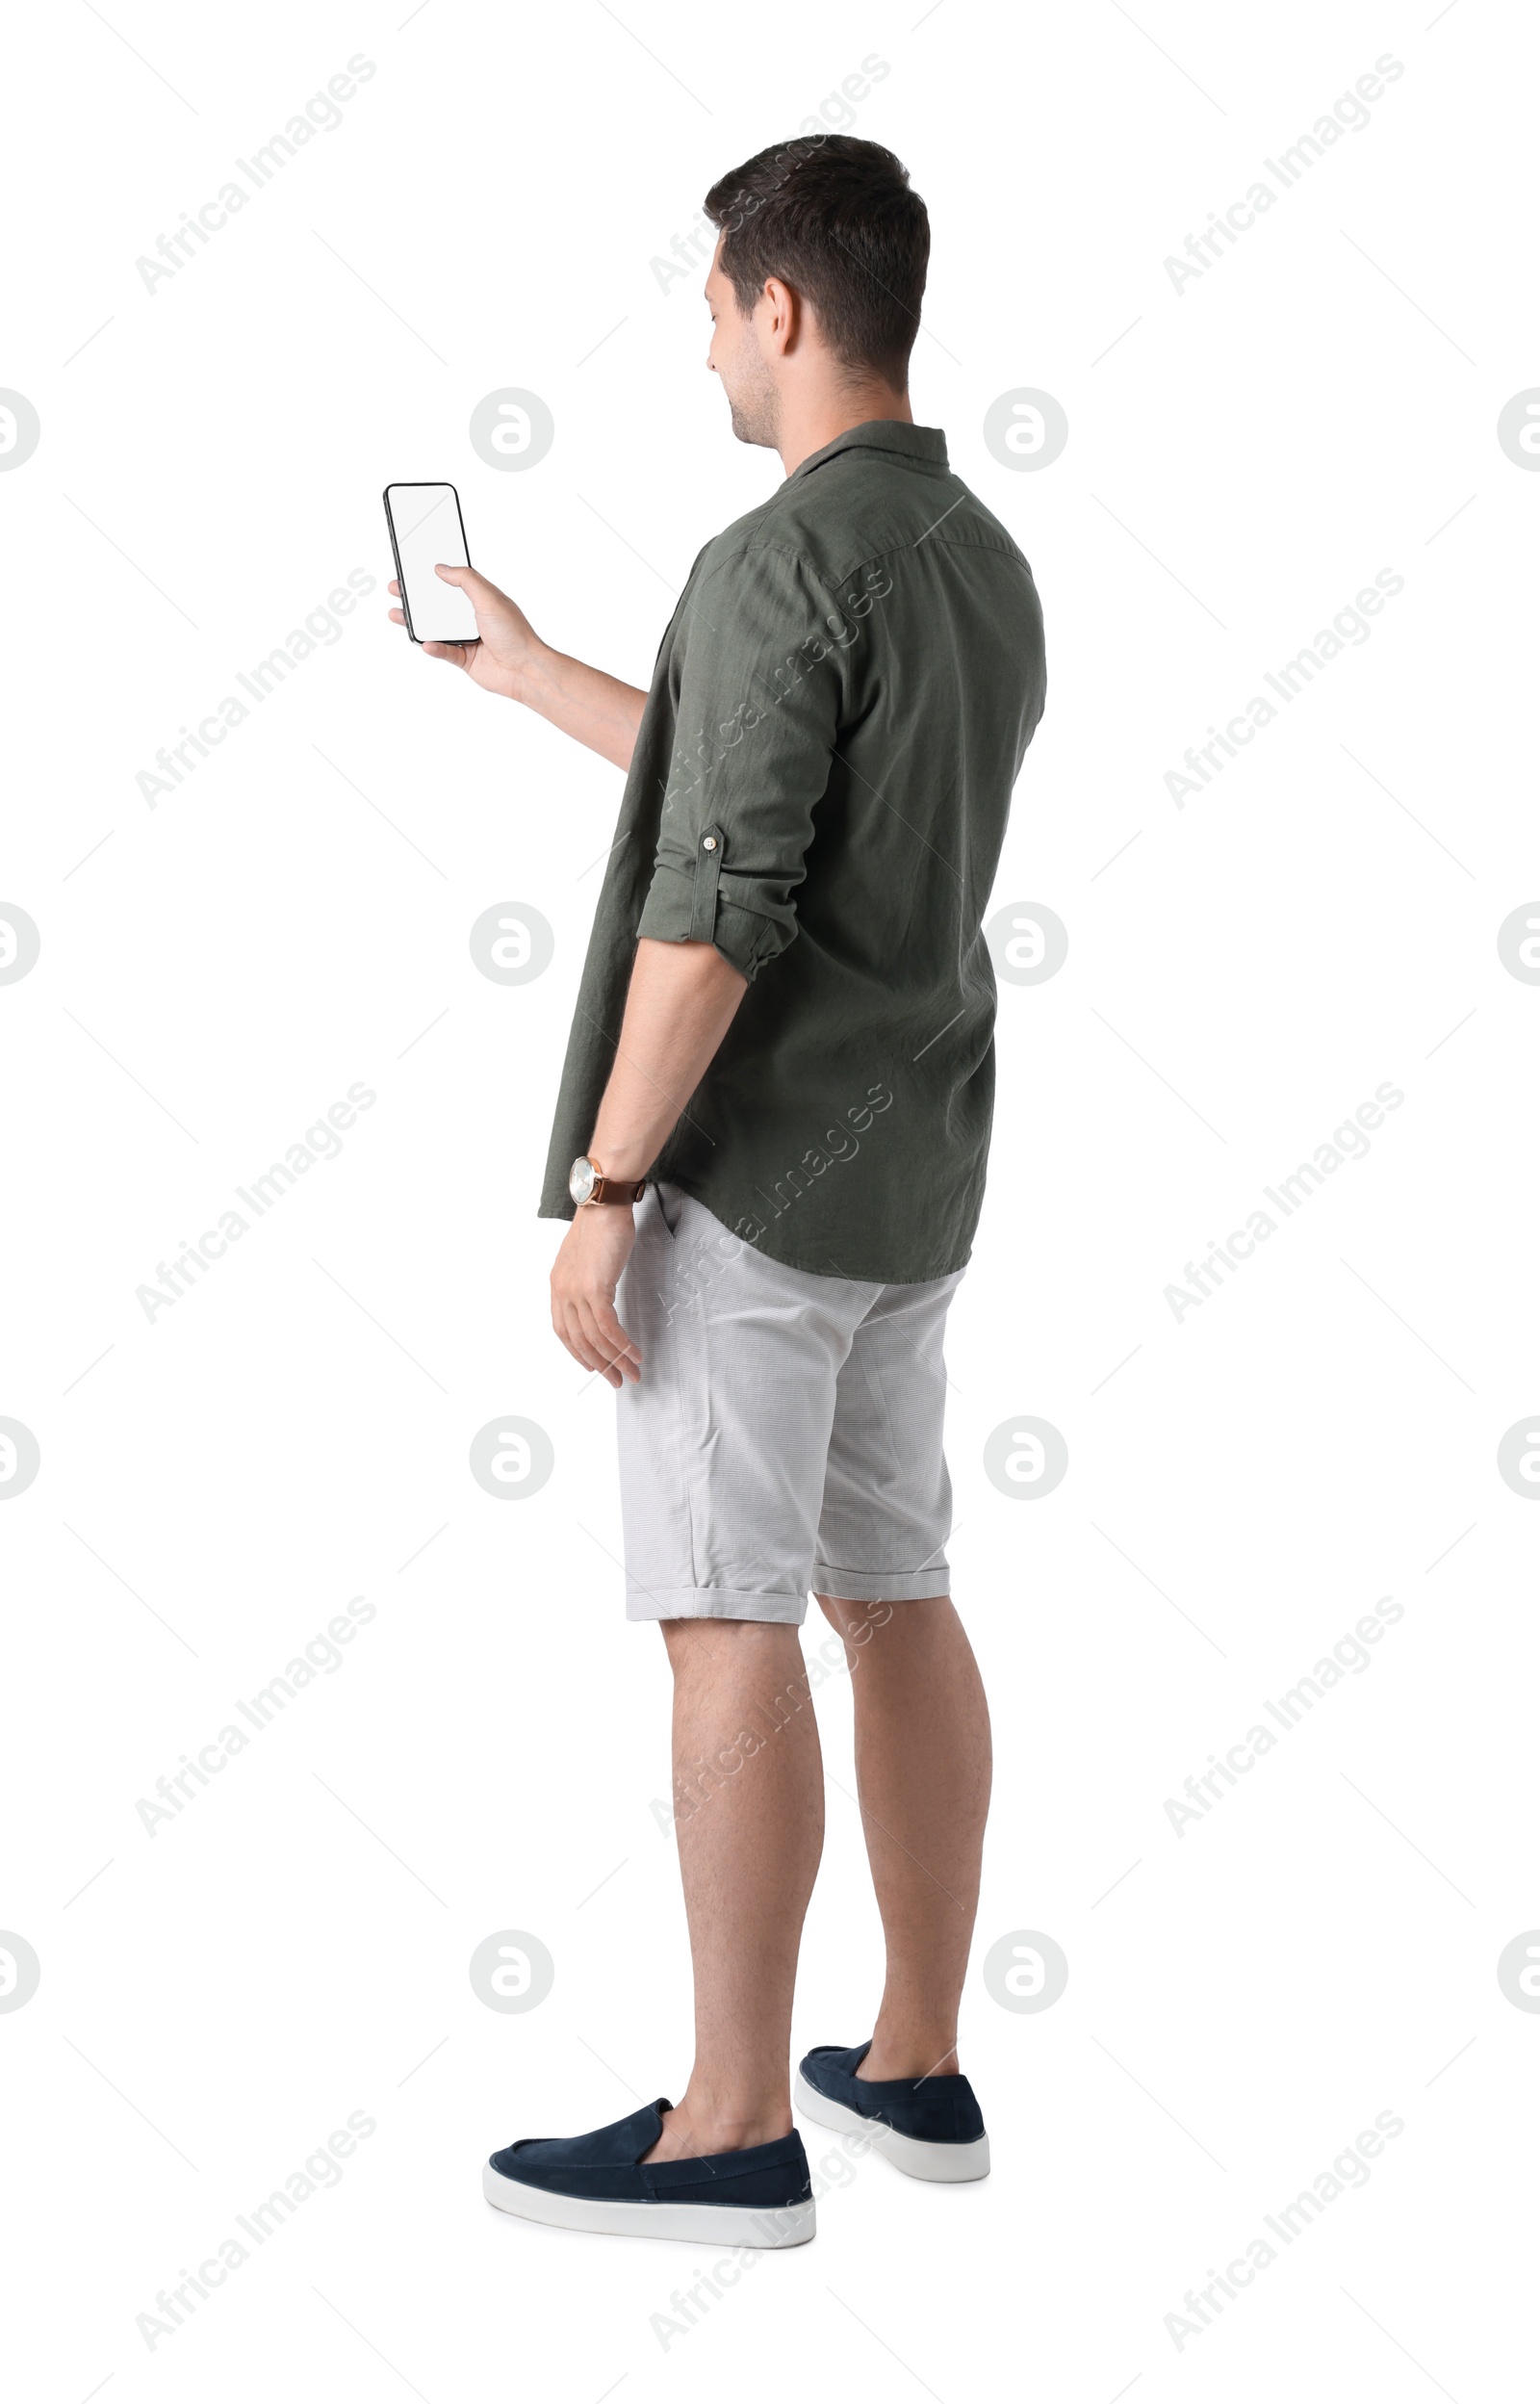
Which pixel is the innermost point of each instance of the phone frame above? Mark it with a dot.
(422, 484)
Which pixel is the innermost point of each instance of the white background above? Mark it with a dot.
(1244, 455)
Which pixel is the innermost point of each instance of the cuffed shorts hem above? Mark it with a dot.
(881, 1586)
(715, 1602)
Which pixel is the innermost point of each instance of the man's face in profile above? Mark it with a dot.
(736, 357)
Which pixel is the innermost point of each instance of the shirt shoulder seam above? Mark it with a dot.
(750, 544)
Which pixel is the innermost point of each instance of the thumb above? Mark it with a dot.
(469, 581)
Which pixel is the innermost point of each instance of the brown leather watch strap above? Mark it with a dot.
(610, 1189)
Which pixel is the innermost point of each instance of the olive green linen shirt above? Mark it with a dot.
(820, 787)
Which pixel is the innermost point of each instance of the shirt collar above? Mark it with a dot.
(924, 443)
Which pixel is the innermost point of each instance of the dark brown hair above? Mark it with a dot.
(837, 220)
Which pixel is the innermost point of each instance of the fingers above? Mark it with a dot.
(567, 1319)
(583, 1280)
(454, 653)
(457, 654)
(604, 1332)
(587, 1326)
(611, 1338)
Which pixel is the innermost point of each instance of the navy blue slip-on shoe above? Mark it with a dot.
(931, 2128)
(760, 2196)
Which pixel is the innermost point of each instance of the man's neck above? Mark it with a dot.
(812, 425)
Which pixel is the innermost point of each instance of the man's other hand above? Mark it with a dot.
(583, 1279)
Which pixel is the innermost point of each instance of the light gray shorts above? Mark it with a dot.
(786, 1436)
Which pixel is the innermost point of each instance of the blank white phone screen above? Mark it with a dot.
(426, 519)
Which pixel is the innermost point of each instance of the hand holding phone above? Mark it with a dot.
(471, 624)
(500, 649)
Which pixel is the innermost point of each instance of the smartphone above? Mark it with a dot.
(427, 530)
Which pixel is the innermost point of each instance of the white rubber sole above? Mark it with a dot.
(948, 2164)
(697, 2224)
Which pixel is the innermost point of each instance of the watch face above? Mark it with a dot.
(580, 1183)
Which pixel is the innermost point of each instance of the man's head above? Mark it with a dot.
(818, 276)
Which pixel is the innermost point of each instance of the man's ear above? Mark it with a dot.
(789, 322)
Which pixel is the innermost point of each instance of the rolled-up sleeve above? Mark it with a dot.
(763, 687)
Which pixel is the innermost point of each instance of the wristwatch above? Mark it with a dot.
(587, 1182)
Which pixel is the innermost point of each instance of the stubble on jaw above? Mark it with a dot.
(753, 402)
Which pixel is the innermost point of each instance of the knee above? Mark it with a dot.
(728, 1641)
(856, 1623)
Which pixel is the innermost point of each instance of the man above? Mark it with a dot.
(778, 1089)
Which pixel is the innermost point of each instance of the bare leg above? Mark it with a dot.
(749, 1805)
(922, 1774)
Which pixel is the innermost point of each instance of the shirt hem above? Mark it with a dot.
(852, 1267)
